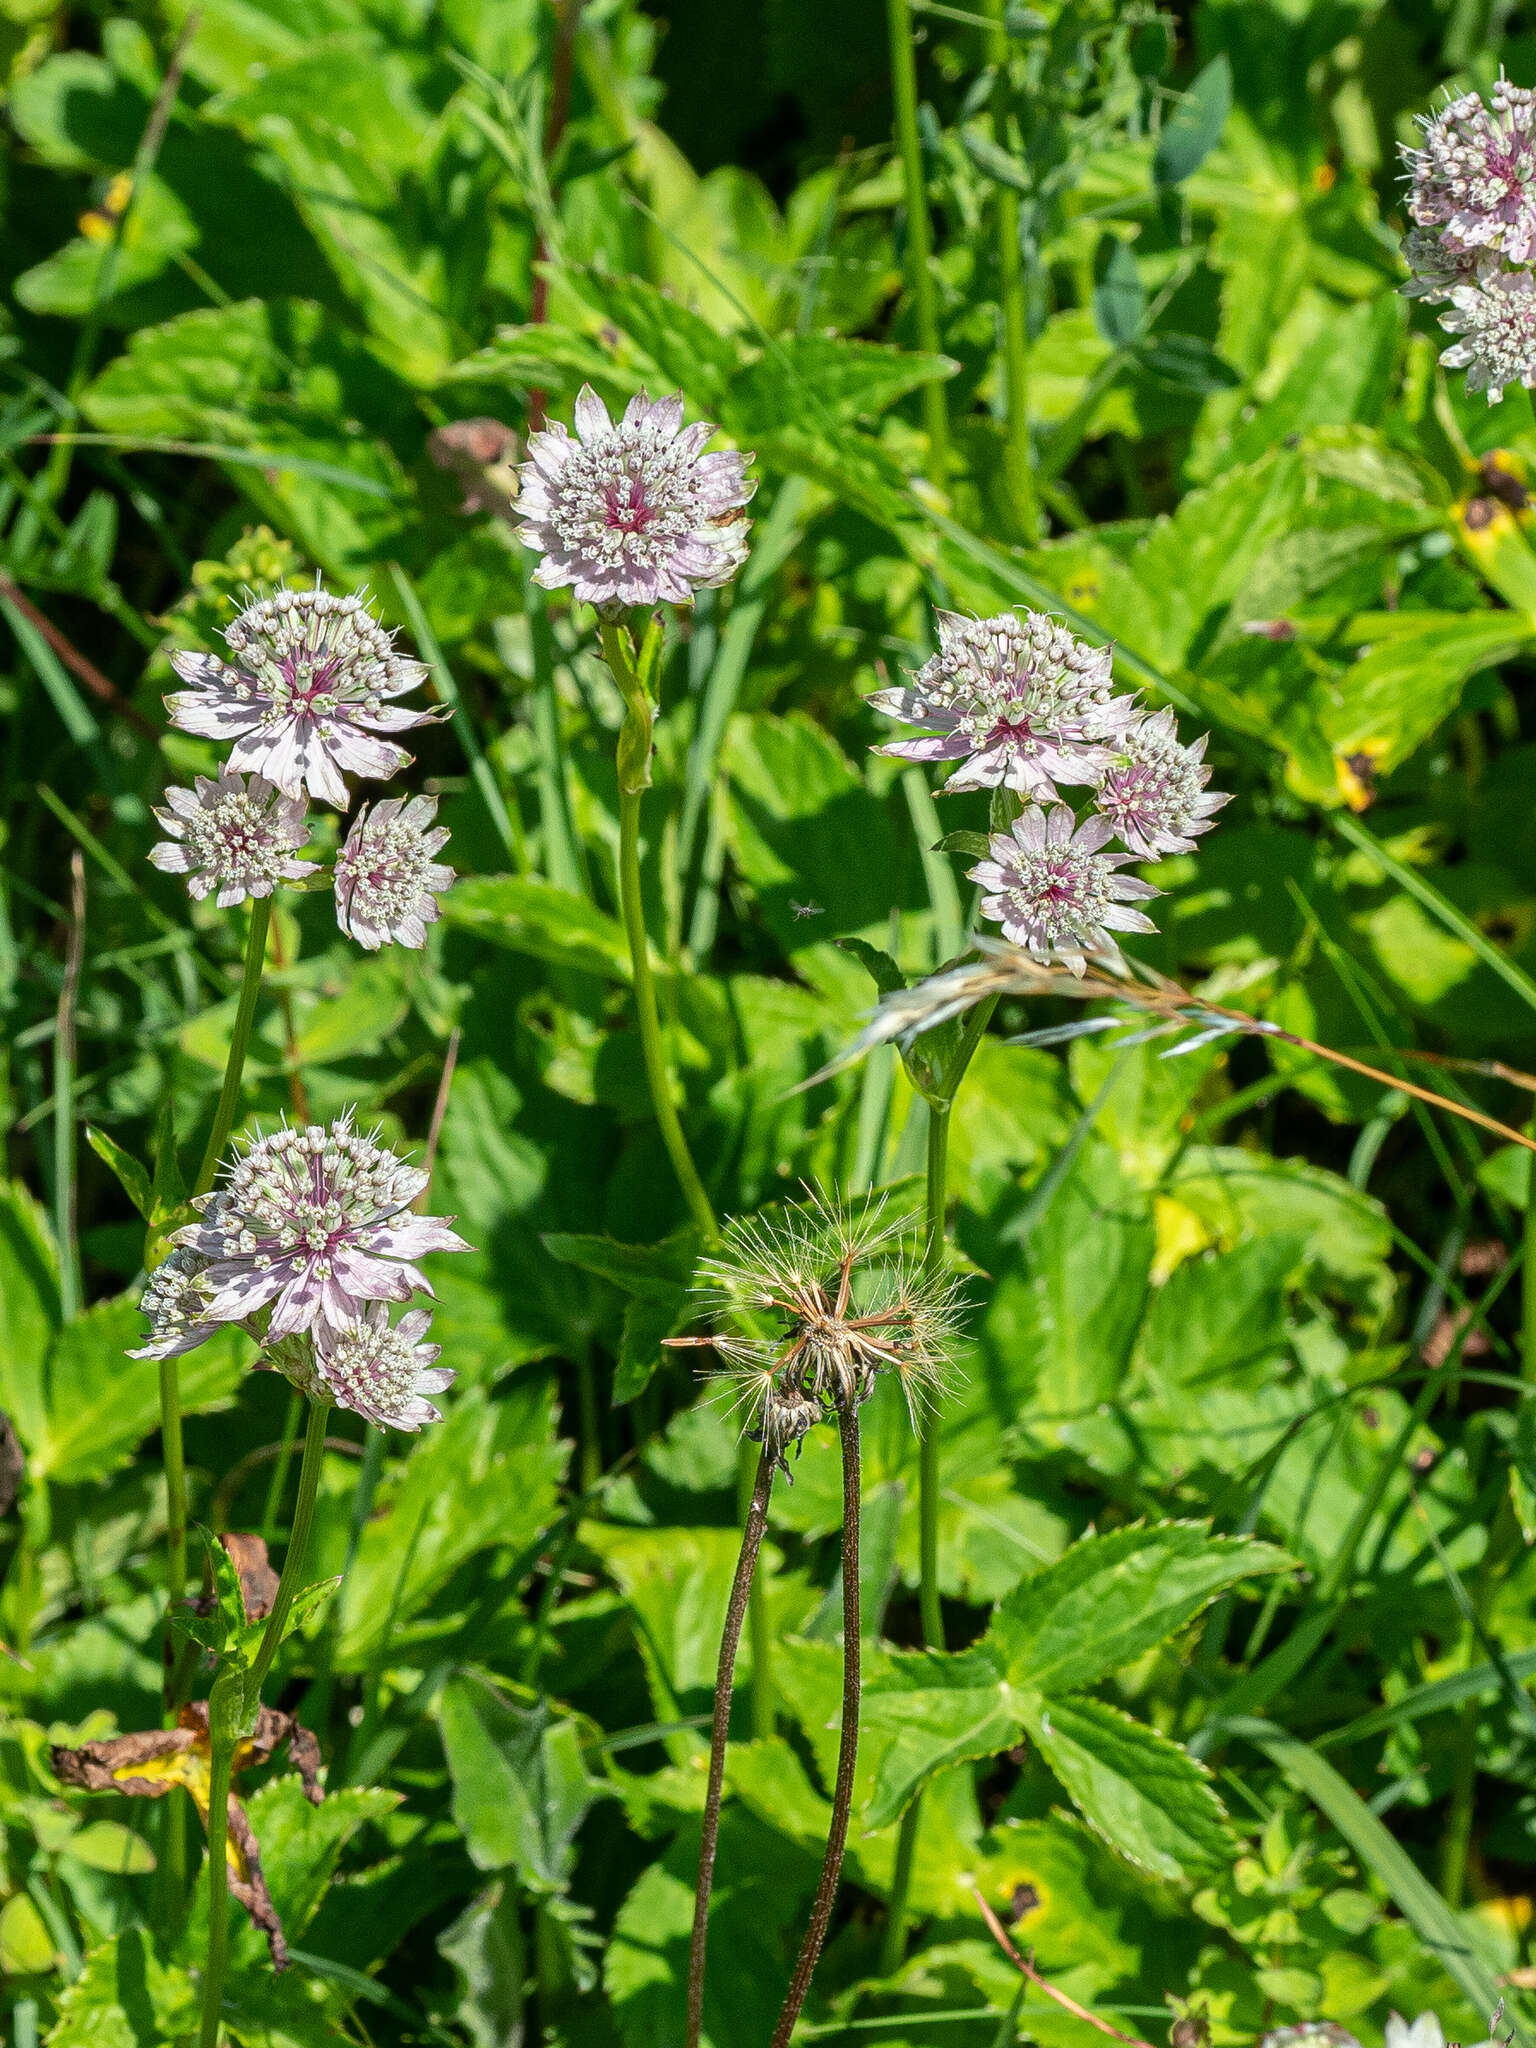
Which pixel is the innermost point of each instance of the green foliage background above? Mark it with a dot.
(1239, 1470)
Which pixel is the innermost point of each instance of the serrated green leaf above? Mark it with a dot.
(924, 1713)
(1109, 1599)
(822, 376)
(974, 845)
(883, 971)
(520, 1787)
(650, 1272)
(1148, 1797)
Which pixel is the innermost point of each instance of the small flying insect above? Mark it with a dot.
(807, 909)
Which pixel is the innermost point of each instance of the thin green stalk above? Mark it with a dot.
(919, 234)
(634, 778)
(1010, 274)
(563, 860)
(239, 1043)
(282, 1464)
(65, 1060)
(298, 1543)
(848, 1740)
(1528, 1273)
(224, 1716)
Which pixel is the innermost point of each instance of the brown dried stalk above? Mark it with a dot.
(1000, 1935)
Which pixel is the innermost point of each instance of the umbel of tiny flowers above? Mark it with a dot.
(382, 1371)
(1016, 701)
(1155, 794)
(314, 1224)
(1054, 889)
(633, 513)
(388, 877)
(231, 840)
(306, 695)
(1472, 201)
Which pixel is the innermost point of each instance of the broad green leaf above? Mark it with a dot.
(1186, 362)
(1194, 128)
(1109, 1599)
(520, 1787)
(126, 1997)
(108, 1845)
(924, 1713)
(650, 1272)
(1389, 701)
(485, 1946)
(357, 1021)
(530, 916)
(26, 1947)
(1217, 1315)
(646, 1323)
(821, 377)
(685, 350)
(1148, 1797)
(547, 356)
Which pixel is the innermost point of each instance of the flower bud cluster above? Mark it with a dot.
(1472, 201)
(1016, 702)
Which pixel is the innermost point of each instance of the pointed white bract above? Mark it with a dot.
(314, 1223)
(231, 840)
(1054, 890)
(633, 513)
(306, 697)
(380, 1371)
(1155, 797)
(388, 877)
(176, 1300)
(1016, 700)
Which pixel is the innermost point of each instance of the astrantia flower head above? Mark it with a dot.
(380, 1371)
(1435, 271)
(1424, 2032)
(388, 878)
(1054, 889)
(305, 694)
(1156, 798)
(634, 513)
(235, 840)
(176, 1300)
(315, 1222)
(1496, 320)
(844, 1301)
(1475, 177)
(1016, 700)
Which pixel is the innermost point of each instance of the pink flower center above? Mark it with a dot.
(626, 508)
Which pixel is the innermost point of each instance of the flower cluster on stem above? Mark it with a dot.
(1472, 245)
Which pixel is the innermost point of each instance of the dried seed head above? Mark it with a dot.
(388, 878)
(305, 695)
(634, 513)
(237, 840)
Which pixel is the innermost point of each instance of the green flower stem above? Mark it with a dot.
(224, 1715)
(848, 1741)
(634, 779)
(919, 235)
(1010, 270)
(298, 1543)
(171, 1449)
(754, 1523)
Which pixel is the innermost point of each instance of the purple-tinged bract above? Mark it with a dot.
(383, 1373)
(232, 840)
(388, 878)
(314, 1222)
(176, 1299)
(634, 513)
(305, 696)
(1156, 797)
(1056, 891)
(1016, 700)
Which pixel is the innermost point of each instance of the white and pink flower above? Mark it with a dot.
(388, 877)
(314, 1223)
(1016, 701)
(634, 513)
(305, 698)
(1474, 179)
(1156, 797)
(382, 1371)
(232, 841)
(1054, 890)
